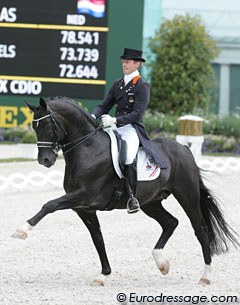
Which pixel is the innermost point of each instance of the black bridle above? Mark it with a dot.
(55, 145)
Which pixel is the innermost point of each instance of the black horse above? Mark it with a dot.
(90, 181)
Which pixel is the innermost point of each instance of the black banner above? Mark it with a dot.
(53, 47)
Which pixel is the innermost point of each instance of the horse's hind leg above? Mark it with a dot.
(200, 230)
(192, 208)
(92, 223)
(168, 223)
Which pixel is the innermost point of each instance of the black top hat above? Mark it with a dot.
(132, 54)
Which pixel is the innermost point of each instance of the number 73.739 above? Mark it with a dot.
(79, 54)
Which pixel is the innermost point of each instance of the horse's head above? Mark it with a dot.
(49, 131)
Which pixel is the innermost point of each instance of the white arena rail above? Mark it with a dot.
(34, 178)
(54, 178)
(220, 164)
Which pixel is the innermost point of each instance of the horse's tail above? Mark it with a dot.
(219, 232)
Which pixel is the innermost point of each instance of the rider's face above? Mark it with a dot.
(129, 66)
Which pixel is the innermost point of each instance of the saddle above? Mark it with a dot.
(147, 169)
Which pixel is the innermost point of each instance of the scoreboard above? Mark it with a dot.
(53, 47)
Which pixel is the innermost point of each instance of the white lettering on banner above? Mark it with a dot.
(76, 19)
(25, 87)
(7, 51)
(79, 54)
(79, 37)
(3, 86)
(8, 14)
(79, 71)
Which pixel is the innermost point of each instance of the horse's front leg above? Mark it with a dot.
(67, 201)
(90, 219)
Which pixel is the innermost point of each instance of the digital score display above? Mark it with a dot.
(53, 47)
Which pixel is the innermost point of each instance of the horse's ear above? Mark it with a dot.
(30, 106)
(42, 103)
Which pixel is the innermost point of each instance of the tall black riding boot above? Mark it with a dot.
(131, 177)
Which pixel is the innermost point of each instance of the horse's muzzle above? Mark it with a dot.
(47, 160)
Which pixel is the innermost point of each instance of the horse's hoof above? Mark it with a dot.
(99, 280)
(97, 283)
(204, 282)
(165, 267)
(20, 234)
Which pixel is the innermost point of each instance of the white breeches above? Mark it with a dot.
(129, 134)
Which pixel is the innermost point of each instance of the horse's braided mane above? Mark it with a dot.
(85, 114)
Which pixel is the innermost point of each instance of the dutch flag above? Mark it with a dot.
(96, 8)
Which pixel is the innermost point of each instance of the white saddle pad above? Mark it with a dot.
(147, 169)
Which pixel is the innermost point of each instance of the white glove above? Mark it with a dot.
(107, 121)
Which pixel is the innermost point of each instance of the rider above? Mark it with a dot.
(130, 95)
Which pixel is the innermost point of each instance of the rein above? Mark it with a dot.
(79, 141)
(55, 145)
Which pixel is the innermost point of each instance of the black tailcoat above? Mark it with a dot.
(131, 101)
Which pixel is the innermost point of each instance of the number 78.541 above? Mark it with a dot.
(80, 37)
